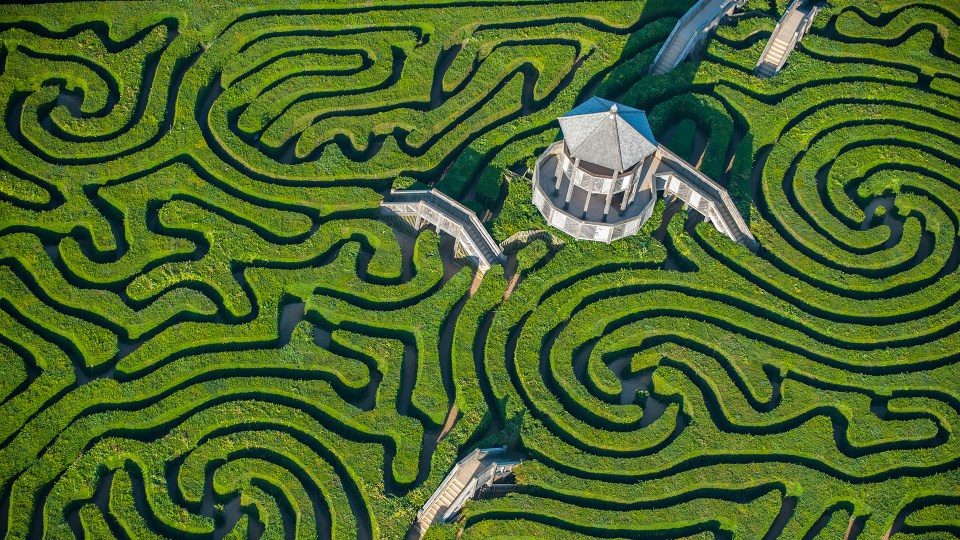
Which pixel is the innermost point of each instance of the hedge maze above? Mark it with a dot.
(205, 332)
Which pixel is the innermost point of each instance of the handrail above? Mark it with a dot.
(714, 18)
(773, 36)
(802, 28)
(718, 192)
(676, 28)
(473, 457)
(697, 34)
(786, 54)
(810, 16)
(443, 485)
(461, 499)
(465, 219)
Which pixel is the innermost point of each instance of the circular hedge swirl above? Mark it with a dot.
(205, 332)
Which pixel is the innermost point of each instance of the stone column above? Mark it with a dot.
(629, 190)
(588, 196)
(651, 169)
(613, 187)
(571, 179)
(559, 173)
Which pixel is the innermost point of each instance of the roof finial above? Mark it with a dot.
(613, 110)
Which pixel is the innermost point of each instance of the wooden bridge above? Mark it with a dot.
(691, 30)
(477, 473)
(678, 178)
(788, 32)
(417, 207)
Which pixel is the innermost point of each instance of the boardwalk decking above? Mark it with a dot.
(788, 32)
(447, 215)
(481, 469)
(677, 177)
(690, 31)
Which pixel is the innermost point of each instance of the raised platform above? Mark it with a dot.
(571, 218)
(671, 174)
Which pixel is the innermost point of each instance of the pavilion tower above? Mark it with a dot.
(601, 181)
(601, 185)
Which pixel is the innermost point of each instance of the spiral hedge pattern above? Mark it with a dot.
(205, 332)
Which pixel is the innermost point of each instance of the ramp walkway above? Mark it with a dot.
(677, 177)
(418, 206)
(477, 473)
(691, 30)
(796, 21)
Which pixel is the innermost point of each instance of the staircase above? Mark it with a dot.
(452, 491)
(690, 31)
(788, 32)
(672, 53)
(778, 49)
(479, 471)
(735, 232)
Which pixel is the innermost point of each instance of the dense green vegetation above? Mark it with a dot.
(205, 332)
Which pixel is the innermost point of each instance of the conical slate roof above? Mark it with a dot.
(608, 134)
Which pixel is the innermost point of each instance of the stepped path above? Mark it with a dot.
(789, 31)
(480, 469)
(691, 29)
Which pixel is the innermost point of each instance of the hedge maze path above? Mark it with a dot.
(205, 332)
(805, 391)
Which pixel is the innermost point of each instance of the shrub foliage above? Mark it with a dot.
(204, 332)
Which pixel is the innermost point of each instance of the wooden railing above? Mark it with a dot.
(737, 227)
(698, 34)
(449, 216)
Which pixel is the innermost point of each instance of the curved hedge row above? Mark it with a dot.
(203, 333)
(816, 375)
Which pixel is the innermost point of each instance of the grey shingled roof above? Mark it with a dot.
(615, 138)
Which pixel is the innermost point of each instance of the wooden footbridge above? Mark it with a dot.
(416, 207)
(480, 472)
(675, 177)
(691, 30)
(796, 21)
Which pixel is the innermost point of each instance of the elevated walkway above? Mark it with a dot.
(477, 473)
(431, 206)
(677, 177)
(796, 21)
(691, 30)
